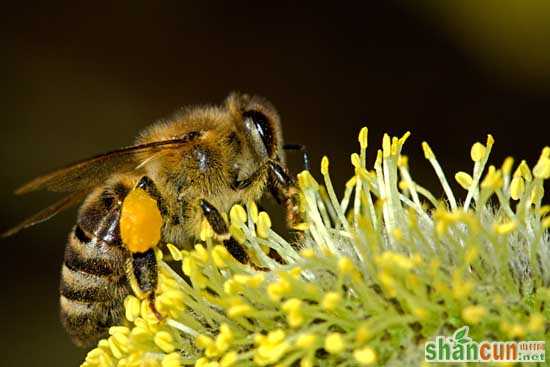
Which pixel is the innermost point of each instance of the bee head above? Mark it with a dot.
(260, 124)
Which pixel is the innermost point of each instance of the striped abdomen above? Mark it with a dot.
(93, 281)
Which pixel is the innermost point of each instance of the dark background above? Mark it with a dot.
(79, 80)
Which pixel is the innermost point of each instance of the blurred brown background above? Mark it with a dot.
(79, 80)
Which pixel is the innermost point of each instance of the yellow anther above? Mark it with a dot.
(174, 252)
(119, 330)
(224, 338)
(490, 141)
(363, 137)
(542, 168)
(378, 160)
(239, 310)
(324, 165)
(308, 253)
(536, 194)
(203, 341)
(230, 286)
(206, 230)
(270, 348)
(524, 171)
(365, 356)
(140, 221)
(237, 214)
(220, 255)
(302, 227)
(545, 209)
(256, 280)
(165, 341)
(428, 152)
(200, 253)
(295, 272)
(306, 341)
(116, 348)
(403, 161)
(253, 211)
(493, 179)
(171, 360)
(278, 289)
(506, 228)
(237, 233)
(477, 152)
(473, 314)
(334, 343)
(356, 160)
(507, 165)
(394, 145)
(229, 359)
(264, 225)
(386, 146)
(345, 265)
(464, 179)
(132, 306)
(404, 138)
(292, 304)
(331, 300)
(517, 187)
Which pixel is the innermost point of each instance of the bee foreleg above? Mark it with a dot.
(285, 192)
(219, 226)
(142, 274)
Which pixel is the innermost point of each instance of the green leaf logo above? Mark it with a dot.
(461, 335)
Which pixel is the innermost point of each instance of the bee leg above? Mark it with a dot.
(285, 192)
(146, 184)
(302, 148)
(219, 226)
(142, 274)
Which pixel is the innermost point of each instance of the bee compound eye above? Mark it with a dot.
(263, 126)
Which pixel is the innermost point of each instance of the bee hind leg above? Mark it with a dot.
(219, 226)
(142, 274)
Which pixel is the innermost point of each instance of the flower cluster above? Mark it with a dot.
(376, 273)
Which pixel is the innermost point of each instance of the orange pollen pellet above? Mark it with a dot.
(140, 221)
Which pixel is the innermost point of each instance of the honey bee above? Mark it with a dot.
(195, 165)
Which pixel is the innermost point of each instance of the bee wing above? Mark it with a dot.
(45, 214)
(91, 172)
